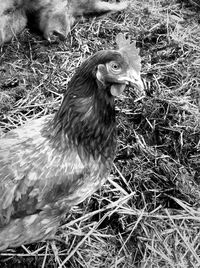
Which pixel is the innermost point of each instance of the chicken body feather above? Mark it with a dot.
(42, 176)
(54, 162)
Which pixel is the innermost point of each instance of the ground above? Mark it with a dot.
(148, 212)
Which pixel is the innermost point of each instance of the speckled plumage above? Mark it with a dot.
(54, 162)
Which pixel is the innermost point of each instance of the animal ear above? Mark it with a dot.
(117, 89)
(99, 73)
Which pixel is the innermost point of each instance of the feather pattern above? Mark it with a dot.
(54, 162)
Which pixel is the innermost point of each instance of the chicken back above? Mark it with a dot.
(52, 163)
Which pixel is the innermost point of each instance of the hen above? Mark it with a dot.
(56, 17)
(53, 18)
(54, 162)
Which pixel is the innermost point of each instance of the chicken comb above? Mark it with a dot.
(129, 50)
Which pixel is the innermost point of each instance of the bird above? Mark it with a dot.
(52, 163)
(55, 18)
(51, 18)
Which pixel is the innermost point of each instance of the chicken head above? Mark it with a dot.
(122, 69)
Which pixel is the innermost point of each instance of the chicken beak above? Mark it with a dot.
(133, 80)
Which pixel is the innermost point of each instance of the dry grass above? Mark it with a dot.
(148, 213)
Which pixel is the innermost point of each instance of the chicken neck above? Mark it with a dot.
(86, 119)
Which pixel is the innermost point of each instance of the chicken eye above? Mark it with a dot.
(114, 67)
